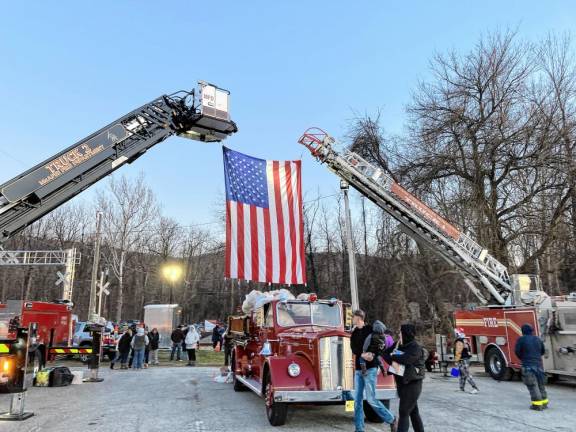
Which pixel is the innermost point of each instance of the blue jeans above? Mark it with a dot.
(176, 348)
(365, 385)
(138, 358)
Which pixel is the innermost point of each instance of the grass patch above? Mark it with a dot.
(204, 357)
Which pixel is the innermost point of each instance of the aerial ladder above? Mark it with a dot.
(199, 115)
(417, 220)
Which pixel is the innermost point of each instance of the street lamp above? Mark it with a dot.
(172, 273)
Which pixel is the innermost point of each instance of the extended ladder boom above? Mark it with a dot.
(417, 219)
(34, 193)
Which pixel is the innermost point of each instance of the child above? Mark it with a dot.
(374, 343)
(462, 358)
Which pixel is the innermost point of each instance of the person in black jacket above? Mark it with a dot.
(365, 383)
(216, 337)
(411, 355)
(177, 338)
(124, 348)
(154, 337)
(530, 349)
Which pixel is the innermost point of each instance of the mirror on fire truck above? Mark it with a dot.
(347, 316)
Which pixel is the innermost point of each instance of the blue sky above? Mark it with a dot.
(68, 68)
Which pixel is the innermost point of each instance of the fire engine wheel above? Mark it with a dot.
(237, 385)
(370, 414)
(495, 365)
(276, 412)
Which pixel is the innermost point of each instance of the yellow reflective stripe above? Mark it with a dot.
(540, 402)
(59, 351)
(544, 401)
(72, 350)
(4, 348)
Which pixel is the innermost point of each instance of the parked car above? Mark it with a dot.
(83, 338)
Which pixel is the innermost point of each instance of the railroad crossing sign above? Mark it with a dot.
(104, 289)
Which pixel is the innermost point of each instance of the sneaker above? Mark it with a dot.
(474, 391)
(536, 408)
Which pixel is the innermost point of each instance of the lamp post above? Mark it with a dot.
(172, 273)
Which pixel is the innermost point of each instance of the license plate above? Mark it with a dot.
(349, 407)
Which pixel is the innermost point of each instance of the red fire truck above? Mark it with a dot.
(298, 352)
(508, 301)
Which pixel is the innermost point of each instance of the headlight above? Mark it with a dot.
(293, 370)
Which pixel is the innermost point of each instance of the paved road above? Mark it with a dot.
(168, 399)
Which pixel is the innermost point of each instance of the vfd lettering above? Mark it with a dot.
(490, 322)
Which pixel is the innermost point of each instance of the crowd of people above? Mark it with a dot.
(137, 347)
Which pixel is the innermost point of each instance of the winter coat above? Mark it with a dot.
(357, 339)
(177, 336)
(192, 339)
(529, 348)
(140, 341)
(216, 337)
(154, 340)
(124, 342)
(412, 356)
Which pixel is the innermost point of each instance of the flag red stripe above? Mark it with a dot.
(290, 197)
(228, 251)
(280, 221)
(300, 212)
(268, 238)
(254, 240)
(240, 242)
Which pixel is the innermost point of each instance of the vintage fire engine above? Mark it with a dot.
(295, 352)
(509, 301)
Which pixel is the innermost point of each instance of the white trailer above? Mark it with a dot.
(164, 317)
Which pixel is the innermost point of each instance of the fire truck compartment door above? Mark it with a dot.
(514, 320)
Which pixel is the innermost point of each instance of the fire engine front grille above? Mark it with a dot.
(336, 365)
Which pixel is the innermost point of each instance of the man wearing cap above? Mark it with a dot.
(530, 349)
(462, 358)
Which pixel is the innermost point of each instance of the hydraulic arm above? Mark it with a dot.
(36, 192)
(417, 220)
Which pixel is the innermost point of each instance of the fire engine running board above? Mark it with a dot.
(252, 384)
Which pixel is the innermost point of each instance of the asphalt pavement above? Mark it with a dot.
(166, 399)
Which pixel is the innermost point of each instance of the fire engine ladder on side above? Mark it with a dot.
(36, 192)
(417, 220)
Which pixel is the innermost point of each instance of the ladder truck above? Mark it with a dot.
(200, 114)
(507, 301)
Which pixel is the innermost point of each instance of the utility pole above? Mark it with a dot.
(95, 265)
(102, 289)
(344, 187)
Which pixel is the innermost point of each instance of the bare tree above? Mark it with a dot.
(128, 209)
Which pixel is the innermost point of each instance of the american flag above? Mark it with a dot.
(264, 225)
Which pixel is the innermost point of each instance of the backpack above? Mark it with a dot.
(60, 377)
(139, 342)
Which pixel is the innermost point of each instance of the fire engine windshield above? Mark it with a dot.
(291, 314)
